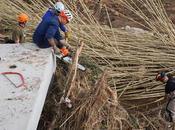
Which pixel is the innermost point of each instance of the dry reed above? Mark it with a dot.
(131, 58)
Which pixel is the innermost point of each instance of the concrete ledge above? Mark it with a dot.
(20, 108)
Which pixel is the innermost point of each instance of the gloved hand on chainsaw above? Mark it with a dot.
(64, 51)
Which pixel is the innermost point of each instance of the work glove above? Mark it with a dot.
(64, 51)
(67, 35)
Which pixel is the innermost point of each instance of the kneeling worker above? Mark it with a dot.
(47, 33)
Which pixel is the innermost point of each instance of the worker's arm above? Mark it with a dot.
(63, 28)
(51, 31)
(17, 40)
(53, 44)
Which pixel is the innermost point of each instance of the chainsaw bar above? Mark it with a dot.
(68, 59)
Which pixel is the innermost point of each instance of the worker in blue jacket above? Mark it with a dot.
(47, 33)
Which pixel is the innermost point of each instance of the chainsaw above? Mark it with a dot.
(68, 59)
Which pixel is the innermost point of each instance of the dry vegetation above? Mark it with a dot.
(131, 60)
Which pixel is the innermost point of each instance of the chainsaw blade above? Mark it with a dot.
(68, 59)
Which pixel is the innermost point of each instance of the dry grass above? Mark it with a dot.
(131, 59)
(93, 108)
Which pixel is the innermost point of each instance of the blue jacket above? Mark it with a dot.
(48, 28)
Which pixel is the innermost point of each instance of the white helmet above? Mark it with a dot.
(68, 14)
(59, 6)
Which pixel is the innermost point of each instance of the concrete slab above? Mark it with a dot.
(21, 107)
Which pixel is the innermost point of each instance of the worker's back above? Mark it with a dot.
(46, 28)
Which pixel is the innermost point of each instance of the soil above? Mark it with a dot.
(118, 14)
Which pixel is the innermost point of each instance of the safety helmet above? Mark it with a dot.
(22, 18)
(160, 76)
(67, 15)
(59, 6)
